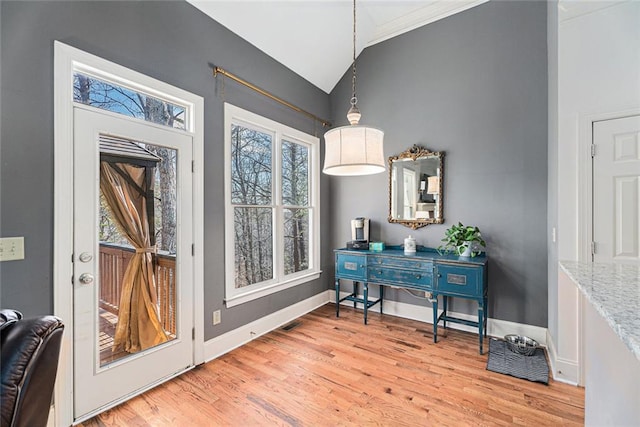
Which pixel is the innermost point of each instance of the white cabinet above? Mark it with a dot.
(599, 333)
(611, 375)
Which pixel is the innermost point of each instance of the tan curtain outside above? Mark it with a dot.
(138, 325)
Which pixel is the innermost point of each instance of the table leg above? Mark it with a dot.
(337, 285)
(445, 302)
(355, 293)
(381, 297)
(486, 314)
(366, 300)
(434, 305)
(480, 325)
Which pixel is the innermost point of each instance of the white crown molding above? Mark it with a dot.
(433, 12)
(570, 9)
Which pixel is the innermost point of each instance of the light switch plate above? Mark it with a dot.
(11, 248)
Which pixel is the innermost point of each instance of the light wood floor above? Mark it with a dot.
(325, 371)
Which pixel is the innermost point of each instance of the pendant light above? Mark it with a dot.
(354, 149)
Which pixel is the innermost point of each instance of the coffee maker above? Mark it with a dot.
(359, 234)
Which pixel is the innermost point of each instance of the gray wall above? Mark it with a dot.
(171, 41)
(475, 86)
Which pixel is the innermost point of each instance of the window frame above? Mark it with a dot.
(235, 296)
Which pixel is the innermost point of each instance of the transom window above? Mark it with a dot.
(90, 90)
(272, 206)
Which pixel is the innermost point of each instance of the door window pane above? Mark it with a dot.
(295, 174)
(250, 166)
(253, 242)
(296, 240)
(134, 211)
(112, 97)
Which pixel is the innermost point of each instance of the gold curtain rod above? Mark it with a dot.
(218, 70)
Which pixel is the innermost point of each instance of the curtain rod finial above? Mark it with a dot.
(217, 70)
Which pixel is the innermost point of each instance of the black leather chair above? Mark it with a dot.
(30, 349)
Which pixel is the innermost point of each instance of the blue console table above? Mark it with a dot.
(449, 276)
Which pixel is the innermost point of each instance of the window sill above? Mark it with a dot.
(268, 290)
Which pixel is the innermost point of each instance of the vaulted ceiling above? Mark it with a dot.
(314, 37)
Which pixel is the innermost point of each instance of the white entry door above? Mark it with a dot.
(133, 298)
(616, 190)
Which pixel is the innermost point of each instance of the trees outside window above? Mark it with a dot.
(272, 236)
(251, 196)
(295, 199)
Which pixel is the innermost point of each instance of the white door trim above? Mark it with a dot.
(66, 60)
(585, 175)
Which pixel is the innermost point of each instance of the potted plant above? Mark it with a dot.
(463, 240)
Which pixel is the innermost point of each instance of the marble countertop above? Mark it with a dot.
(614, 290)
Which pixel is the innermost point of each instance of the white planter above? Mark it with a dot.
(468, 248)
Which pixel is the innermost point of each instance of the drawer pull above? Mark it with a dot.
(418, 276)
(351, 266)
(456, 279)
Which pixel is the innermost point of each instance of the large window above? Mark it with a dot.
(272, 206)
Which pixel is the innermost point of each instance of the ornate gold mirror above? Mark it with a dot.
(415, 187)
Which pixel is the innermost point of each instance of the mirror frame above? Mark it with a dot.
(415, 153)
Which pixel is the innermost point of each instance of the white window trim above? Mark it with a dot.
(233, 296)
(68, 59)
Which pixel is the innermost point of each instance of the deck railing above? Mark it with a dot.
(114, 260)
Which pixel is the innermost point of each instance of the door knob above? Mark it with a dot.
(86, 278)
(85, 257)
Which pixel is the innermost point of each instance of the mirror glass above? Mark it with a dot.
(416, 194)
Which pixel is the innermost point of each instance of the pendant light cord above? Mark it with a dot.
(354, 100)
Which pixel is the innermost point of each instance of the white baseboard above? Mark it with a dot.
(226, 342)
(500, 328)
(563, 370)
(51, 421)
(553, 355)
(495, 327)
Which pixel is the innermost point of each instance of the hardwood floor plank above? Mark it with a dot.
(326, 371)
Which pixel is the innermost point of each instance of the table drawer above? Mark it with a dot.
(416, 278)
(411, 264)
(459, 280)
(351, 266)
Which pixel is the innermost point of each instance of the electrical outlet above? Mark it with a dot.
(216, 317)
(11, 248)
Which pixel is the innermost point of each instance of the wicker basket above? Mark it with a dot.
(521, 344)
